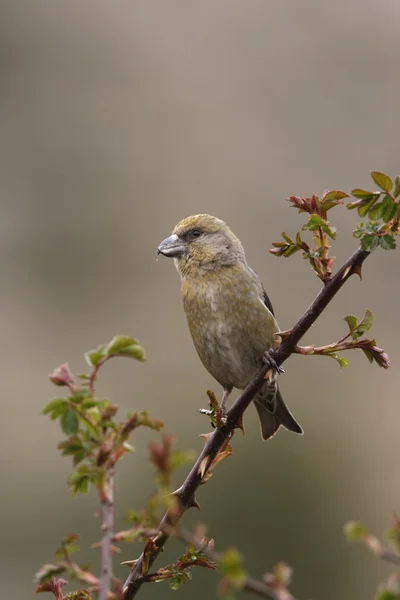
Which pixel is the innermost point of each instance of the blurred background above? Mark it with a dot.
(117, 119)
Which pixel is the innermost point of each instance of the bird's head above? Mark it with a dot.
(202, 241)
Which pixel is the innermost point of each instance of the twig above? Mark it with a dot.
(106, 494)
(388, 555)
(253, 586)
(186, 492)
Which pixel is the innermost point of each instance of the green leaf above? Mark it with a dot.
(289, 250)
(389, 209)
(179, 579)
(342, 362)
(287, 238)
(329, 230)
(80, 395)
(313, 222)
(333, 195)
(70, 421)
(79, 479)
(355, 531)
(387, 242)
(331, 199)
(231, 566)
(382, 180)
(396, 192)
(366, 323)
(93, 357)
(124, 345)
(376, 211)
(369, 242)
(366, 206)
(73, 447)
(351, 321)
(387, 595)
(363, 194)
(56, 407)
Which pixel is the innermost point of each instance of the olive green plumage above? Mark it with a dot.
(229, 314)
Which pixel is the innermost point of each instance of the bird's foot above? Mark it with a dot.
(269, 358)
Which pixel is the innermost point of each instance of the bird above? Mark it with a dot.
(229, 314)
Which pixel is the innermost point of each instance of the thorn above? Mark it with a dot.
(177, 492)
(203, 466)
(193, 503)
(346, 272)
(240, 424)
(357, 270)
(130, 563)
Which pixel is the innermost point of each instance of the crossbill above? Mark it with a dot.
(229, 314)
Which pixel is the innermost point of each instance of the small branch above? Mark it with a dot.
(94, 373)
(186, 492)
(388, 555)
(106, 494)
(250, 585)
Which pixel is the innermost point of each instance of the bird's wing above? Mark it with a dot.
(263, 294)
(267, 301)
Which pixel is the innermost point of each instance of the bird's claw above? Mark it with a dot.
(269, 358)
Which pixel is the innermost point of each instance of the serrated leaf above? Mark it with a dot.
(180, 579)
(387, 242)
(369, 242)
(56, 406)
(70, 421)
(389, 209)
(313, 223)
(382, 180)
(366, 206)
(329, 230)
(376, 211)
(79, 479)
(333, 195)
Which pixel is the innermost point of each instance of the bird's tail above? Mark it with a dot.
(273, 412)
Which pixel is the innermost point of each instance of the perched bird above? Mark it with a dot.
(229, 314)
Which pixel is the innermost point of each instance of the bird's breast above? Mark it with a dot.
(230, 326)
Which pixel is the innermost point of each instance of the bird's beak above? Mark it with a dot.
(171, 247)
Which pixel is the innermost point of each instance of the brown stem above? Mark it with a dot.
(253, 586)
(389, 556)
(186, 492)
(106, 494)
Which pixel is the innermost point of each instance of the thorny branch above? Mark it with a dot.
(186, 493)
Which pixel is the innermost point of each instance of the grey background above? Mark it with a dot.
(117, 119)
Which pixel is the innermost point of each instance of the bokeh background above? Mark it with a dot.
(117, 119)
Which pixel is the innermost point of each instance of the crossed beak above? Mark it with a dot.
(172, 247)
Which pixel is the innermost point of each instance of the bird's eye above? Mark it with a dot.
(196, 233)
